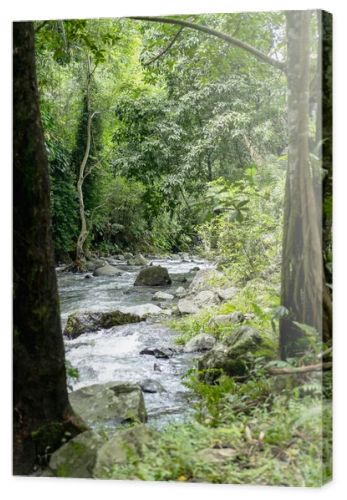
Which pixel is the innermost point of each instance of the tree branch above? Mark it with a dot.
(164, 51)
(301, 369)
(227, 38)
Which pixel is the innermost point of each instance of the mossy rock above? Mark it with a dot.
(124, 446)
(231, 357)
(79, 323)
(114, 402)
(77, 457)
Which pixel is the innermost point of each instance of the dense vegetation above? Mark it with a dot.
(164, 139)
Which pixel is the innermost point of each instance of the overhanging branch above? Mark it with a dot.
(227, 38)
(164, 51)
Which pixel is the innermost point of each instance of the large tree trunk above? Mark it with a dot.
(303, 282)
(42, 414)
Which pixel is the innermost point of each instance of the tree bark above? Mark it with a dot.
(42, 414)
(302, 278)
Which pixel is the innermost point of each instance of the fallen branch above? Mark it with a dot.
(301, 369)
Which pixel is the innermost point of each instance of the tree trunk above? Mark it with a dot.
(80, 252)
(302, 261)
(42, 414)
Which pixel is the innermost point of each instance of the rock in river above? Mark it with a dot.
(162, 296)
(138, 260)
(151, 386)
(107, 270)
(114, 401)
(153, 276)
(162, 353)
(79, 323)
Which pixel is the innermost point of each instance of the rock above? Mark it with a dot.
(216, 455)
(153, 276)
(203, 279)
(194, 269)
(187, 306)
(206, 298)
(162, 296)
(88, 276)
(77, 457)
(151, 386)
(138, 260)
(93, 264)
(227, 319)
(128, 255)
(143, 310)
(124, 446)
(201, 342)
(192, 304)
(78, 323)
(107, 270)
(231, 356)
(113, 401)
(180, 292)
(179, 278)
(227, 293)
(162, 353)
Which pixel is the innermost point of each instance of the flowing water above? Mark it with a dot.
(114, 354)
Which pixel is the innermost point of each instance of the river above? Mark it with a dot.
(114, 354)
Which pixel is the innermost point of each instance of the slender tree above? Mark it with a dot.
(42, 417)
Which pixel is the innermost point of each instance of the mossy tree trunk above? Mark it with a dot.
(42, 414)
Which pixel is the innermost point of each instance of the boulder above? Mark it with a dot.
(138, 260)
(143, 310)
(93, 264)
(151, 386)
(128, 255)
(153, 276)
(204, 279)
(107, 270)
(77, 457)
(160, 353)
(206, 298)
(114, 401)
(78, 323)
(227, 319)
(187, 306)
(192, 304)
(180, 292)
(199, 343)
(125, 445)
(231, 356)
(162, 296)
(227, 293)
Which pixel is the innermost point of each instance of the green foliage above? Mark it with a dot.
(243, 223)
